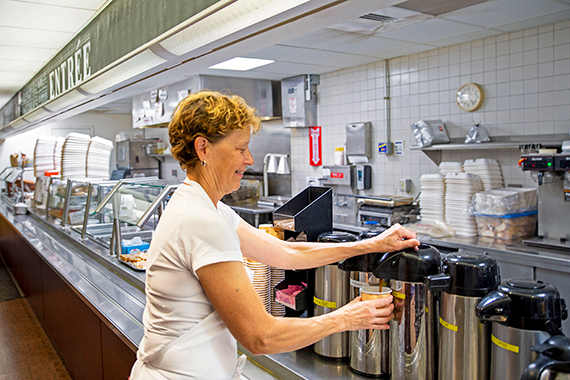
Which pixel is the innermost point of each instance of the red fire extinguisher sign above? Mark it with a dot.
(315, 149)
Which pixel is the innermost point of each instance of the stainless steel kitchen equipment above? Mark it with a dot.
(413, 338)
(463, 340)
(552, 173)
(524, 313)
(369, 349)
(332, 291)
(299, 100)
(553, 362)
(387, 210)
(134, 155)
(358, 142)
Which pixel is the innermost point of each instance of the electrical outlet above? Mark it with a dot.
(405, 185)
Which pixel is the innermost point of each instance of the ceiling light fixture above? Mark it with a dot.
(226, 21)
(241, 64)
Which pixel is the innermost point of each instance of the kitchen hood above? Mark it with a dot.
(154, 108)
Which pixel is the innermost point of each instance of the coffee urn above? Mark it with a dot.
(332, 291)
(413, 338)
(553, 362)
(524, 313)
(369, 349)
(464, 340)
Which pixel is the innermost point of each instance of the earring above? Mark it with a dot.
(204, 163)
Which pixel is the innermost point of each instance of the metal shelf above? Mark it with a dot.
(434, 152)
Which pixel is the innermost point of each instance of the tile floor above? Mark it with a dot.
(25, 350)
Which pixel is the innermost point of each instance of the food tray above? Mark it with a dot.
(129, 264)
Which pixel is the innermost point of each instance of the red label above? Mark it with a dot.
(337, 175)
(315, 150)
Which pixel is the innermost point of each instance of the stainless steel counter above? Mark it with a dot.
(116, 292)
(112, 290)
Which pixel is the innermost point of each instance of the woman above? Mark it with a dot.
(200, 299)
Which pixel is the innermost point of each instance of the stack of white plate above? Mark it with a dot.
(459, 189)
(261, 281)
(98, 157)
(488, 170)
(277, 275)
(74, 155)
(57, 153)
(450, 167)
(43, 155)
(432, 197)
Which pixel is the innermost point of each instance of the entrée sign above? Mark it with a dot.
(73, 69)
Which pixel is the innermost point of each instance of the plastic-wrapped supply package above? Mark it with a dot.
(505, 201)
(477, 134)
(506, 213)
(429, 132)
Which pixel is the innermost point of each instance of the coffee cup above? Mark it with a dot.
(373, 292)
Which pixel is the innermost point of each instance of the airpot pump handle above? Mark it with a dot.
(438, 282)
(495, 306)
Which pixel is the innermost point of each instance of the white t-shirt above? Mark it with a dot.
(191, 234)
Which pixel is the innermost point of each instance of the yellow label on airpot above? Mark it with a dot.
(447, 325)
(505, 345)
(399, 295)
(329, 304)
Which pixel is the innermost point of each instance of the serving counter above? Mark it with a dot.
(91, 305)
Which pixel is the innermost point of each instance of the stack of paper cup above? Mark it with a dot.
(277, 275)
(261, 281)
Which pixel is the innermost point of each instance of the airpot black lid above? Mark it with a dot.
(471, 274)
(366, 262)
(410, 265)
(525, 304)
(336, 237)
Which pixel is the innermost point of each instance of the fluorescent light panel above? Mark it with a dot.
(241, 64)
(228, 20)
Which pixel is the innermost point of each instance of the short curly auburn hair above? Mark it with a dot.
(208, 114)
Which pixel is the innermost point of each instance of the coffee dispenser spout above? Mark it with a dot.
(495, 307)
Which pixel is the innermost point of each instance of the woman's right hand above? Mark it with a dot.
(362, 315)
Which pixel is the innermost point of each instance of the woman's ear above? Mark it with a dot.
(200, 145)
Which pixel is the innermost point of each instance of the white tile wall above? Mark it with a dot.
(526, 77)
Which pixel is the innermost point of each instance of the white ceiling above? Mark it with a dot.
(30, 36)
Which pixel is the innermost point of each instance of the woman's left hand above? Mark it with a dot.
(396, 238)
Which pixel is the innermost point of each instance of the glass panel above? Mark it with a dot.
(130, 200)
(56, 197)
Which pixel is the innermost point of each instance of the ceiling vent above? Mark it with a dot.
(370, 23)
(378, 18)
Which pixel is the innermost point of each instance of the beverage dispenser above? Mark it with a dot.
(553, 362)
(369, 349)
(331, 293)
(552, 173)
(413, 337)
(524, 313)
(464, 341)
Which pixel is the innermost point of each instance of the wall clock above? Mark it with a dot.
(470, 97)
